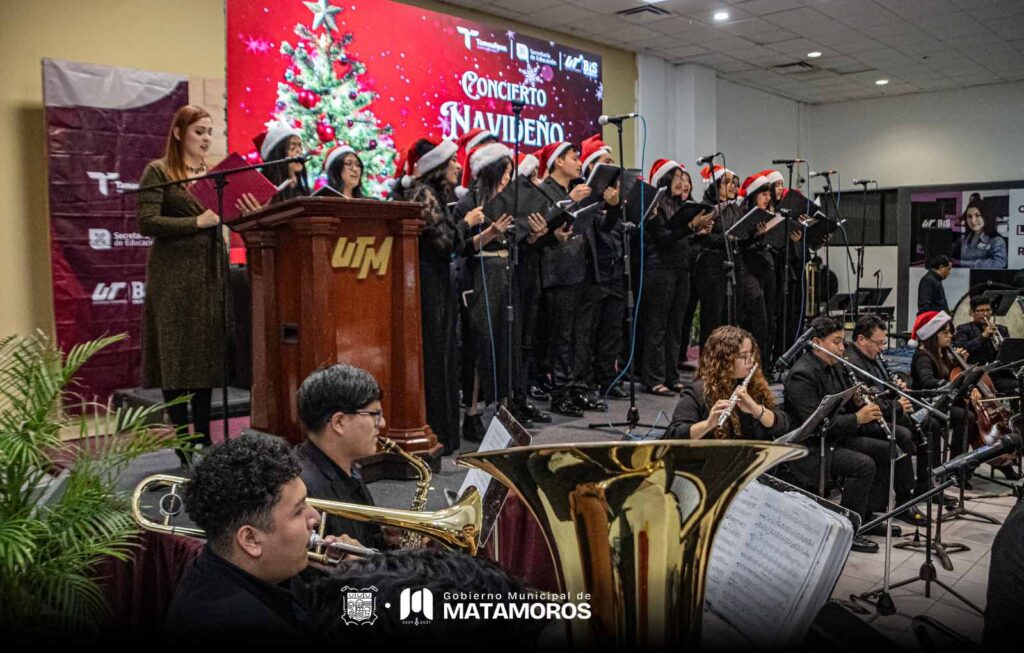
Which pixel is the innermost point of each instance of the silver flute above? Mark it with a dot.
(735, 397)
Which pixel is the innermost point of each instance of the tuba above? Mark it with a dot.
(631, 524)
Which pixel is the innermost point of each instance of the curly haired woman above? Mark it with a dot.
(725, 360)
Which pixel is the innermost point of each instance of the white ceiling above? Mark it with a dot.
(918, 45)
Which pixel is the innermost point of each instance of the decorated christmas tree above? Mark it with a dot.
(322, 98)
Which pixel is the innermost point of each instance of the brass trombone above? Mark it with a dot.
(457, 527)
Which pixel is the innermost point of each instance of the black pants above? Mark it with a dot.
(858, 469)
(200, 414)
(903, 480)
(711, 289)
(757, 299)
(528, 304)
(609, 332)
(666, 296)
(563, 307)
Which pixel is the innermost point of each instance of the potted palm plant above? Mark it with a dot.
(56, 530)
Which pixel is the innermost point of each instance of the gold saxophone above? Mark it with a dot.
(411, 539)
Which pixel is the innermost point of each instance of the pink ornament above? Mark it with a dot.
(547, 73)
(325, 132)
(373, 145)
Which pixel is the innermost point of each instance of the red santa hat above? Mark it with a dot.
(482, 156)
(592, 149)
(266, 141)
(773, 176)
(527, 164)
(752, 184)
(471, 140)
(663, 167)
(927, 325)
(705, 173)
(415, 166)
(336, 155)
(547, 154)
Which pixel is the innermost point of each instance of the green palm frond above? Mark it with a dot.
(50, 554)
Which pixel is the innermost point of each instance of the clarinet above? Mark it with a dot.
(735, 397)
(917, 417)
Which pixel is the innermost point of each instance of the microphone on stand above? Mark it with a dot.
(707, 159)
(776, 162)
(1007, 444)
(823, 173)
(606, 119)
(786, 360)
(863, 182)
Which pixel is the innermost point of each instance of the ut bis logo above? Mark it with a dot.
(416, 607)
(119, 292)
(363, 254)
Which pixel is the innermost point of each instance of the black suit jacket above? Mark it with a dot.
(979, 350)
(325, 480)
(217, 599)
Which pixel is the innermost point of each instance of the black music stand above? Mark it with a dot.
(817, 424)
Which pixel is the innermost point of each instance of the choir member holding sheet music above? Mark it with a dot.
(182, 323)
(281, 142)
(756, 270)
(726, 360)
(668, 264)
(710, 240)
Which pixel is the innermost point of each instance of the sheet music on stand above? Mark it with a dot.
(777, 556)
(503, 432)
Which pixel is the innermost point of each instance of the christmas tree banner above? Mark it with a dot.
(377, 75)
(103, 125)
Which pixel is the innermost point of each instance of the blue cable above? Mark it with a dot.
(640, 292)
(487, 307)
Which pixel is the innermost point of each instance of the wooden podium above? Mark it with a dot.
(337, 280)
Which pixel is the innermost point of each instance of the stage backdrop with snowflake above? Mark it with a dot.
(377, 75)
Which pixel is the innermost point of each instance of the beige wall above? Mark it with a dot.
(178, 36)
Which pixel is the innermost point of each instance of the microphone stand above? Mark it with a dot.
(785, 268)
(859, 268)
(220, 181)
(511, 267)
(632, 413)
(846, 241)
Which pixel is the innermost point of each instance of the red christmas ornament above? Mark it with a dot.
(297, 124)
(308, 99)
(325, 132)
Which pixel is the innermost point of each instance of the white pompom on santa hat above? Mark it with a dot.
(663, 167)
(527, 165)
(927, 325)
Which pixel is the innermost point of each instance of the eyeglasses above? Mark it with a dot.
(880, 343)
(353, 163)
(746, 357)
(376, 414)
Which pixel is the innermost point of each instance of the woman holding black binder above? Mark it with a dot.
(756, 272)
(668, 260)
(710, 269)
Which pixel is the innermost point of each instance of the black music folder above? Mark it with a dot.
(746, 227)
(601, 177)
(682, 218)
(531, 200)
(637, 211)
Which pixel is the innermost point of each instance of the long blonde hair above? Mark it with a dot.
(174, 155)
(716, 366)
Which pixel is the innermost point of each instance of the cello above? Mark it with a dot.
(992, 415)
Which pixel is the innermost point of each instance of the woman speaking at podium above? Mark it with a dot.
(344, 172)
(182, 327)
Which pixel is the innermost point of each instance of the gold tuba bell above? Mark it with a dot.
(631, 524)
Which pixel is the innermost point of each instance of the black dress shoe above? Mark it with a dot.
(473, 429)
(617, 392)
(1008, 471)
(566, 406)
(586, 402)
(523, 417)
(913, 516)
(538, 393)
(864, 545)
(537, 415)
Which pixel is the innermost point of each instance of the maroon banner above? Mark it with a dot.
(103, 124)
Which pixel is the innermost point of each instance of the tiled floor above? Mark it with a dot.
(969, 577)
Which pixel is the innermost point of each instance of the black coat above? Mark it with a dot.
(217, 599)
(810, 380)
(667, 246)
(979, 350)
(692, 408)
(324, 479)
(576, 260)
(930, 295)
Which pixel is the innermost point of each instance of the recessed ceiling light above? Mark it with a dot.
(813, 55)
(721, 15)
(881, 82)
